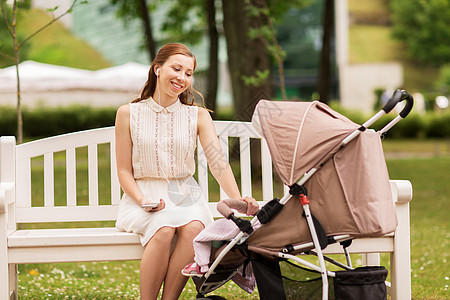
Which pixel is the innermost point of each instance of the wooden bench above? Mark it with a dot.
(54, 242)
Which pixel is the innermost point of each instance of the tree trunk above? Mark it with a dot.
(212, 75)
(146, 22)
(325, 66)
(245, 56)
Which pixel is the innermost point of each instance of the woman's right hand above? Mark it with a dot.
(160, 206)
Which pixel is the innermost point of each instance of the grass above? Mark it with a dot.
(426, 169)
(56, 44)
(430, 233)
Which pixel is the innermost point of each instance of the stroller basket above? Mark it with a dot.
(293, 282)
(361, 283)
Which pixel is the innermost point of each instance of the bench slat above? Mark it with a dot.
(115, 186)
(66, 214)
(62, 142)
(80, 253)
(266, 169)
(23, 180)
(49, 180)
(202, 170)
(223, 139)
(71, 177)
(93, 174)
(71, 237)
(246, 172)
(236, 129)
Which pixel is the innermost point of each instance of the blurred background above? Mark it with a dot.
(78, 61)
(351, 52)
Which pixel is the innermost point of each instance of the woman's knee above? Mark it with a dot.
(191, 229)
(164, 235)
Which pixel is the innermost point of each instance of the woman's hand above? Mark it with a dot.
(252, 206)
(160, 206)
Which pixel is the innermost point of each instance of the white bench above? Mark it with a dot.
(55, 244)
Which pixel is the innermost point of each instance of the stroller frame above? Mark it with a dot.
(298, 189)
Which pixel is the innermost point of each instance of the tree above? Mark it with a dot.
(423, 27)
(128, 10)
(325, 64)
(11, 24)
(250, 30)
(6, 46)
(213, 70)
(246, 57)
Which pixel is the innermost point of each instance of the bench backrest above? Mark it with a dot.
(80, 152)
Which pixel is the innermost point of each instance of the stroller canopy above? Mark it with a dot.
(299, 134)
(350, 193)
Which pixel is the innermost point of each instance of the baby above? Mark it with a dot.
(217, 234)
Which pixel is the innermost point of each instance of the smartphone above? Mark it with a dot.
(150, 205)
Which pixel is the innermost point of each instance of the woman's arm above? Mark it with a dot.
(217, 162)
(124, 148)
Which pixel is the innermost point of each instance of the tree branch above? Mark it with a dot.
(47, 25)
(6, 18)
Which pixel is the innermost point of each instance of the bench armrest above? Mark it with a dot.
(401, 191)
(4, 188)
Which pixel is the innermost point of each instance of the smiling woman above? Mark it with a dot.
(156, 137)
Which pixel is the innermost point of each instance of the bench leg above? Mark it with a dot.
(13, 281)
(401, 258)
(4, 285)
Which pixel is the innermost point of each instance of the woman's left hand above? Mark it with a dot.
(252, 206)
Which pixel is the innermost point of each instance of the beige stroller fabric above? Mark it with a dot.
(350, 193)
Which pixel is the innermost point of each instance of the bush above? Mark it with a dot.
(430, 125)
(49, 121)
(8, 120)
(439, 126)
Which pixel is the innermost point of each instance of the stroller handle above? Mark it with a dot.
(398, 96)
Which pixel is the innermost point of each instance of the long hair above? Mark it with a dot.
(187, 97)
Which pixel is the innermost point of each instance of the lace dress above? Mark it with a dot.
(164, 142)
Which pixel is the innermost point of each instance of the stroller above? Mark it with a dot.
(338, 191)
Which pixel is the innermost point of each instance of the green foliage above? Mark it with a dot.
(6, 41)
(443, 83)
(49, 121)
(257, 79)
(430, 125)
(8, 120)
(439, 126)
(186, 23)
(423, 26)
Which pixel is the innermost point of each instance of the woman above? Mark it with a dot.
(155, 141)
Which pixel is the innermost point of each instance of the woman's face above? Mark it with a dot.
(175, 75)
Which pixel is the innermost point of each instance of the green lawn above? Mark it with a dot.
(424, 163)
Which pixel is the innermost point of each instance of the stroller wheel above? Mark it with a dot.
(213, 297)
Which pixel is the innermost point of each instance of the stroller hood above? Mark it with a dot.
(299, 134)
(350, 193)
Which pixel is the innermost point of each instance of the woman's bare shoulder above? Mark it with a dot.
(124, 108)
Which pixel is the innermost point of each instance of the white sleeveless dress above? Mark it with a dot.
(164, 142)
